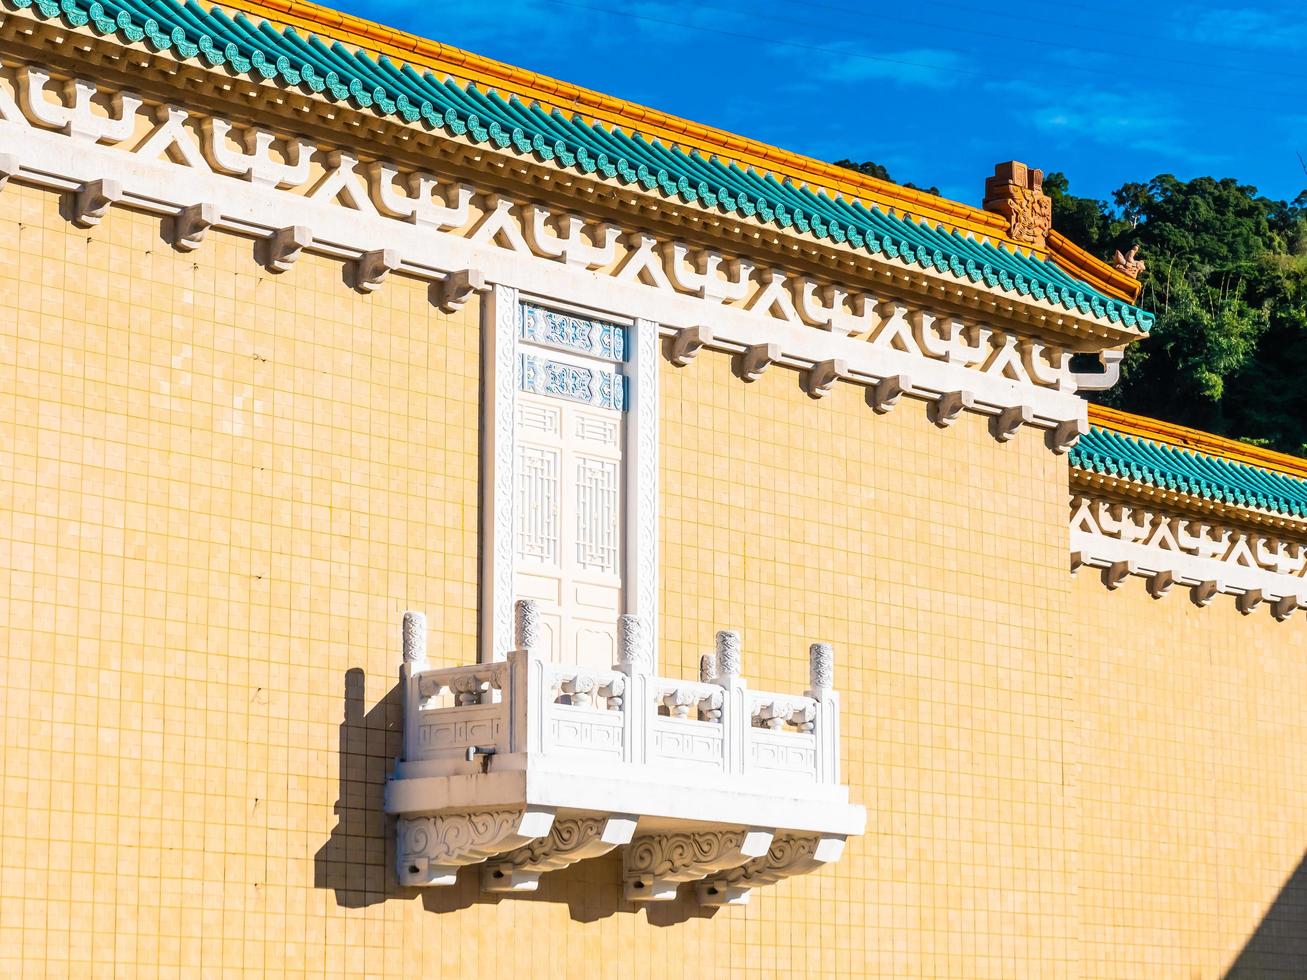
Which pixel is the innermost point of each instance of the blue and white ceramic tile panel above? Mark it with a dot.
(549, 328)
(591, 386)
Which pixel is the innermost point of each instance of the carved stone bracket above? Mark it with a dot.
(91, 201)
(686, 344)
(657, 864)
(570, 839)
(190, 225)
(432, 849)
(452, 293)
(789, 855)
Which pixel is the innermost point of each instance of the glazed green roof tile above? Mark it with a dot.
(264, 51)
(1185, 471)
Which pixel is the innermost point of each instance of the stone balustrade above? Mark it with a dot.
(513, 747)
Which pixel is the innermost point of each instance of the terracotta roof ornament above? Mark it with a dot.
(1017, 193)
(1128, 264)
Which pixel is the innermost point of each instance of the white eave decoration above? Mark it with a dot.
(525, 766)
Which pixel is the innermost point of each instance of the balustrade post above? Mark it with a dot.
(735, 702)
(635, 660)
(415, 660)
(526, 680)
(821, 678)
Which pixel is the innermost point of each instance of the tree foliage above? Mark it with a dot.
(870, 169)
(1227, 278)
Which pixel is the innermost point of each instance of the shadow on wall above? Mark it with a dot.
(358, 860)
(1278, 947)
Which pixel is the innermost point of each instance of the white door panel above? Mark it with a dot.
(569, 538)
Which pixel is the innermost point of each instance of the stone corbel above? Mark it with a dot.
(1249, 601)
(570, 839)
(284, 247)
(1066, 434)
(819, 380)
(77, 118)
(654, 866)
(432, 849)
(452, 293)
(789, 855)
(1203, 593)
(686, 344)
(419, 207)
(372, 268)
(1115, 574)
(190, 224)
(8, 168)
(1005, 424)
(758, 358)
(948, 408)
(696, 272)
(91, 201)
(885, 394)
(255, 163)
(1160, 583)
(1284, 607)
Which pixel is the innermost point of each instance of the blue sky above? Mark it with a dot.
(936, 91)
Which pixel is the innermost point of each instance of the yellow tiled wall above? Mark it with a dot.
(1193, 786)
(220, 488)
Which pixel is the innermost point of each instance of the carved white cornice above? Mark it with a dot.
(249, 180)
(1207, 555)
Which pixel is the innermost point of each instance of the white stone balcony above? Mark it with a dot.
(525, 766)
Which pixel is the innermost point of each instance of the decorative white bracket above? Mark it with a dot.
(946, 410)
(1063, 436)
(885, 394)
(452, 293)
(819, 379)
(757, 358)
(8, 167)
(91, 201)
(190, 224)
(687, 343)
(372, 268)
(1005, 424)
(284, 247)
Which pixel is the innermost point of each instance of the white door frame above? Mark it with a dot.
(499, 330)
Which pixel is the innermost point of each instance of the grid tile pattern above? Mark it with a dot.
(1193, 787)
(219, 489)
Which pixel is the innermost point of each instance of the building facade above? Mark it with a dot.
(457, 524)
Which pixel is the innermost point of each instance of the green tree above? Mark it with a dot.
(872, 169)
